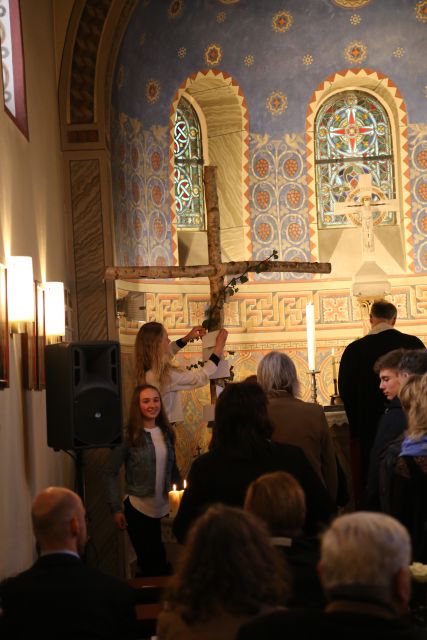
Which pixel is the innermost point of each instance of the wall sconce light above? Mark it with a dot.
(54, 309)
(20, 292)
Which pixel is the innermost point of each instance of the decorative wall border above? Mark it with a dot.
(390, 96)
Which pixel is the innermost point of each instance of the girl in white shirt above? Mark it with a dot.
(153, 354)
(148, 455)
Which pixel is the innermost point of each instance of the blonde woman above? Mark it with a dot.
(153, 355)
(278, 499)
(409, 482)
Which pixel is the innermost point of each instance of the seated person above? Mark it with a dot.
(278, 500)
(59, 596)
(364, 571)
(228, 572)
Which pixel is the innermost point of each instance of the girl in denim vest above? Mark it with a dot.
(148, 455)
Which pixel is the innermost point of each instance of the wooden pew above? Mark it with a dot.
(149, 594)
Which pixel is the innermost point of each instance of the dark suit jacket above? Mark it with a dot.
(391, 425)
(337, 625)
(60, 597)
(359, 385)
(220, 477)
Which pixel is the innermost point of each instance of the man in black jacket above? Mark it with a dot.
(59, 596)
(359, 385)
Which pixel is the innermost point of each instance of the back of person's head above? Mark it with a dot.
(148, 349)
(389, 360)
(58, 518)
(135, 424)
(413, 361)
(241, 420)
(383, 310)
(361, 555)
(277, 372)
(278, 500)
(413, 398)
(252, 378)
(228, 563)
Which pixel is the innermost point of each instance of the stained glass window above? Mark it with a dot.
(352, 136)
(188, 170)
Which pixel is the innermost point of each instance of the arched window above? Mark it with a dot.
(352, 135)
(188, 169)
(12, 59)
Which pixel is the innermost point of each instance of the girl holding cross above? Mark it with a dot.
(153, 354)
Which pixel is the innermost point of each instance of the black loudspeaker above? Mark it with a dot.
(83, 395)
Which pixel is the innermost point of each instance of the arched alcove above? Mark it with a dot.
(342, 247)
(223, 116)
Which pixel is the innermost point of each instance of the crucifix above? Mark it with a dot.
(215, 270)
(359, 207)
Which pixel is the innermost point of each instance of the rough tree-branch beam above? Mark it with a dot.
(206, 270)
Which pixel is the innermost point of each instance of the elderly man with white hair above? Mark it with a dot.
(364, 571)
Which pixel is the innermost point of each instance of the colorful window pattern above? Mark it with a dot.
(188, 170)
(352, 136)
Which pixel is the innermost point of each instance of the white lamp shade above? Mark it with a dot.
(20, 289)
(54, 310)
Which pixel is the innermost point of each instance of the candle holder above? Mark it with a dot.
(313, 373)
(336, 398)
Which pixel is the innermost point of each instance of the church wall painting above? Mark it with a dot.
(278, 57)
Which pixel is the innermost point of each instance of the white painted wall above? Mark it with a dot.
(32, 222)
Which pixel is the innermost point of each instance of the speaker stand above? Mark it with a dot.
(79, 482)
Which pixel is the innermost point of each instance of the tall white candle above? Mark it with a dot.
(311, 342)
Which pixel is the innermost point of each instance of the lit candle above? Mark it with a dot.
(311, 344)
(174, 500)
(334, 369)
(181, 493)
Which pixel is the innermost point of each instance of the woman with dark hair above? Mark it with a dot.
(241, 451)
(148, 455)
(228, 572)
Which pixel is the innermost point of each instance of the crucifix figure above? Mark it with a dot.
(359, 207)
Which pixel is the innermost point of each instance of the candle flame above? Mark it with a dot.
(174, 487)
(185, 484)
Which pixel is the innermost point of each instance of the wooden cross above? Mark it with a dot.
(359, 207)
(215, 270)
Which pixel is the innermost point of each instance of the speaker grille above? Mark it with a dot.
(83, 395)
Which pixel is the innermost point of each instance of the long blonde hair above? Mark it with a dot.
(413, 398)
(149, 354)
